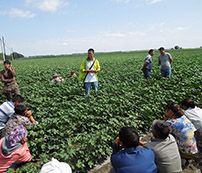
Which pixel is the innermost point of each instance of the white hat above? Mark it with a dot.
(54, 166)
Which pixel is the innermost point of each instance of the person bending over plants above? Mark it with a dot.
(7, 109)
(22, 116)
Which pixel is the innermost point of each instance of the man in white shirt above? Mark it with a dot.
(88, 72)
(194, 114)
(165, 61)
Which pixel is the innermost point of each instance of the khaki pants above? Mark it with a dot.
(10, 90)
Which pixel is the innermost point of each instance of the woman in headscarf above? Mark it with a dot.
(14, 149)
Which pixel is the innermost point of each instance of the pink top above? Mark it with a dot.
(22, 154)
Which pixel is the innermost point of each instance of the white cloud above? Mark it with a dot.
(15, 12)
(122, 1)
(153, 1)
(48, 5)
(182, 28)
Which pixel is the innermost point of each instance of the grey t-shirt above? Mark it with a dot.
(165, 61)
(167, 155)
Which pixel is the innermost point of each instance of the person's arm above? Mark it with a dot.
(7, 80)
(145, 64)
(116, 146)
(30, 117)
(13, 74)
(97, 66)
(159, 61)
(170, 58)
(83, 67)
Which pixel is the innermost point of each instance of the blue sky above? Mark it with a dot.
(35, 27)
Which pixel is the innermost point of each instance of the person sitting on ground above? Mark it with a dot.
(194, 114)
(181, 128)
(129, 157)
(14, 151)
(54, 166)
(147, 66)
(7, 109)
(72, 75)
(22, 116)
(8, 77)
(166, 151)
(57, 79)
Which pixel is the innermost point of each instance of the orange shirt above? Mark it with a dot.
(22, 154)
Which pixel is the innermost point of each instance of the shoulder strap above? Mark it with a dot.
(89, 69)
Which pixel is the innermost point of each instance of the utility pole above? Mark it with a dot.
(12, 55)
(3, 49)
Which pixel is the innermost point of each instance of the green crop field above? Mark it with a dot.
(79, 131)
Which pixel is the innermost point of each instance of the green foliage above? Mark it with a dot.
(79, 131)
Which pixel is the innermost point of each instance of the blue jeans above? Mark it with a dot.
(89, 85)
(147, 73)
(166, 72)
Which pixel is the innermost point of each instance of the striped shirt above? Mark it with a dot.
(6, 111)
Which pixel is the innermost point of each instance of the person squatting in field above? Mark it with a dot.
(129, 156)
(22, 116)
(7, 109)
(194, 114)
(14, 151)
(88, 72)
(147, 66)
(167, 156)
(181, 128)
(165, 61)
(57, 79)
(8, 77)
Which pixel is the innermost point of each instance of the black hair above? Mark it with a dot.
(91, 50)
(18, 98)
(175, 108)
(188, 103)
(150, 51)
(129, 137)
(20, 109)
(161, 48)
(7, 62)
(160, 129)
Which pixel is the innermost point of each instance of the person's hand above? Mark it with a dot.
(24, 140)
(36, 122)
(141, 143)
(117, 141)
(28, 114)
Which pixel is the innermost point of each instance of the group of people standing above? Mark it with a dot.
(165, 60)
(175, 140)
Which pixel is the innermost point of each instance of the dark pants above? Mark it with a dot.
(147, 72)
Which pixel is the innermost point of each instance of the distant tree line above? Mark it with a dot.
(13, 55)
